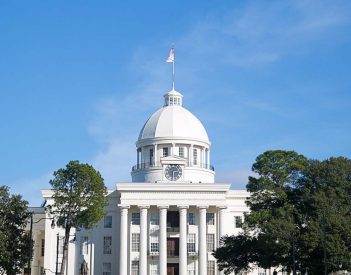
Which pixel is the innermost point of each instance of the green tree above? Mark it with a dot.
(325, 200)
(79, 199)
(300, 216)
(15, 242)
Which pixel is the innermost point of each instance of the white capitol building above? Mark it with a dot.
(166, 221)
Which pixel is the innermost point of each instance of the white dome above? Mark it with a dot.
(173, 121)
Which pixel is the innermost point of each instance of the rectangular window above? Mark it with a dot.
(191, 243)
(165, 151)
(211, 268)
(107, 245)
(151, 156)
(136, 218)
(106, 269)
(181, 152)
(210, 242)
(195, 156)
(191, 268)
(135, 242)
(108, 222)
(42, 247)
(60, 250)
(191, 218)
(210, 218)
(154, 243)
(84, 245)
(238, 221)
(155, 218)
(154, 268)
(135, 268)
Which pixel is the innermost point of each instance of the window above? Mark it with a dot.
(60, 244)
(181, 152)
(154, 268)
(155, 218)
(84, 245)
(106, 268)
(108, 222)
(211, 268)
(191, 243)
(165, 151)
(107, 244)
(238, 221)
(195, 156)
(210, 242)
(210, 218)
(191, 218)
(151, 155)
(191, 268)
(136, 218)
(42, 247)
(135, 242)
(154, 243)
(135, 268)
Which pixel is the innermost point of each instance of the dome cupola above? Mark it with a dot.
(173, 145)
(173, 98)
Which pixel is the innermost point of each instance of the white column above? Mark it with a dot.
(203, 162)
(155, 154)
(173, 149)
(183, 255)
(142, 156)
(138, 159)
(208, 157)
(221, 226)
(191, 155)
(163, 240)
(202, 241)
(143, 240)
(123, 252)
(221, 220)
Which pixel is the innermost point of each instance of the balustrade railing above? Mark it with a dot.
(147, 165)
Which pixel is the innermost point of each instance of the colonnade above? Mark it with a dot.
(203, 157)
(183, 255)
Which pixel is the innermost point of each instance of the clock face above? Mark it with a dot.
(173, 172)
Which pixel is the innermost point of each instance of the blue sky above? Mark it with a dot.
(78, 79)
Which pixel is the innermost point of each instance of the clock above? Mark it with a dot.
(173, 172)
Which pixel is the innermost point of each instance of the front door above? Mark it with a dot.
(172, 269)
(172, 247)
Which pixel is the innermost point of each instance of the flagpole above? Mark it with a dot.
(173, 75)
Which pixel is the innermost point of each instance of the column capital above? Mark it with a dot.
(144, 206)
(163, 206)
(123, 206)
(222, 207)
(202, 206)
(183, 206)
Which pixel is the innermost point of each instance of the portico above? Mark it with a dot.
(181, 199)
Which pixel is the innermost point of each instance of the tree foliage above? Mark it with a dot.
(300, 216)
(15, 242)
(79, 199)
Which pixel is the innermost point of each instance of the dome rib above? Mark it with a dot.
(173, 121)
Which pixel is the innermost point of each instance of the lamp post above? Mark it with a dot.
(57, 251)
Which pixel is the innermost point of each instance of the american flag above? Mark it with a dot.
(171, 56)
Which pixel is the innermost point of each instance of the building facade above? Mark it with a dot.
(167, 221)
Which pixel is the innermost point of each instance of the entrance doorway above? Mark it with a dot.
(172, 269)
(172, 247)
